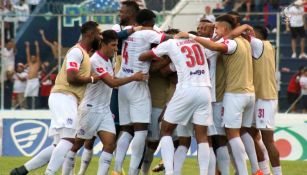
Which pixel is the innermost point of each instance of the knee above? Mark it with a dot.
(109, 147)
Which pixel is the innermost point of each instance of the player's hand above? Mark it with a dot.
(27, 43)
(137, 28)
(182, 35)
(139, 76)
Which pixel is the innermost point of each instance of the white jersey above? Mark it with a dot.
(296, 16)
(136, 44)
(97, 96)
(189, 59)
(303, 84)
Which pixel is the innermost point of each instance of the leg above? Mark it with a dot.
(212, 160)
(151, 147)
(69, 162)
(123, 143)
(86, 155)
(167, 146)
(268, 140)
(137, 146)
(237, 148)
(222, 154)
(203, 148)
(293, 46)
(302, 47)
(108, 139)
(181, 153)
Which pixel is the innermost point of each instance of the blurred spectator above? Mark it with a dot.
(228, 5)
(22, 11)
(20, 80)
(8, 90)
(303, 84)
(47, 81)
(208, 14)
(33, 4)
(9, 20)
(294, 89)
(297, 27)
(8, 58)
(32, 87)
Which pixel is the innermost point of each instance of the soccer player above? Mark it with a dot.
(191, 101)
(94, 110)
(134, 98)
(239, 86)
(68, 91)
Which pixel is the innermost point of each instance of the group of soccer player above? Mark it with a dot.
(217, 85)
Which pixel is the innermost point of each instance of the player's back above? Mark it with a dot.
(136, 44)
(190, 61)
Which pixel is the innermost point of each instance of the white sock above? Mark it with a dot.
(85, 160)
(121, 149)
(148, 157)
(251, 151)
(223, 160)
(41, 159)
(212, 162)
(69, 163)
(179, 158)
(203, 158)
(238, 152)
(167, 153)
(265, 167)
(137, 150)
(57, 157)
(277, 170)
(104, 163)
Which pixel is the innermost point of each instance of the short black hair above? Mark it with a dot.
(108, 36)
(88, 26)
(228, 19)
(146, 17)
(132, 5)
(172, 31)
(193, 33)
(262, 30)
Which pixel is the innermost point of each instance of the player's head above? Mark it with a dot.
(146, 18)
(20, 67)
(205, 28)
(224, 24)
(172, 31)
(109, 42)
(261, 32)
(128, 11)
(91, 32)
(10, 44)
(237, 17)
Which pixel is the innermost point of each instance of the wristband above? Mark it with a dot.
(191, 36)
(92, 79)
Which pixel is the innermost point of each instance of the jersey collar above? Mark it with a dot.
(102, 55)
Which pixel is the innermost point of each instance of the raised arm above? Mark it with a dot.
(240, 30)
(28, 55)
(37, 51)
(44, 39)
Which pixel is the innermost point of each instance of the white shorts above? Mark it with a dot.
(217, 118)
(191, 104)
(93, 121)
(154, 127)
(185, 130)
(134, 103)
(238, 110)
(265, 111)
(32, 88)
(64, 119)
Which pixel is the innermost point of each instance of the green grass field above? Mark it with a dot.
(190, 166)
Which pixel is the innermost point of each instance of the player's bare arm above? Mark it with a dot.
(28, 55)
(115, 82)
(245, 28)
(74, 79)
(211, 45)
(38, 58)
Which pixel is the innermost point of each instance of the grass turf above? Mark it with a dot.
(190, 166)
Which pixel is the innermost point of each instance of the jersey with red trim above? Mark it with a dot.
(97, 96)
(76, 59)
(189, 59)
(136, 44)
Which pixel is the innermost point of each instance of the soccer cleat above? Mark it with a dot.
(19, 171)
(259, 172)
(158, 168)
